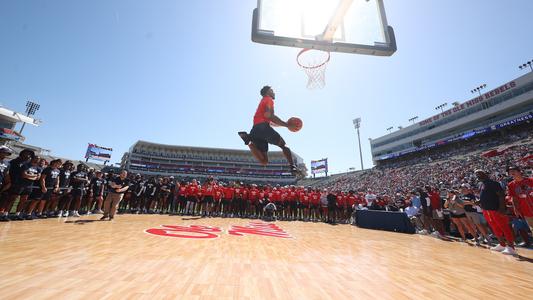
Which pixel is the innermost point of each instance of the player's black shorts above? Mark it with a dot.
(262, 134)
(77, 192)
(208, 199)
(37, 194)
(16, 189)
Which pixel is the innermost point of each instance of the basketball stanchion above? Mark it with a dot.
(314, 63)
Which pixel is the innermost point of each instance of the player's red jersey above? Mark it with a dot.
(523, 192)
(192, 190)
(277, 195)
(238, 192)
(229, 192)
(284, 196)
(254, 195)
(293, 196)
(341, 200)
(350, 200)
(270, 195)
(219, 192)
(315, 198)
(245, 193)
(300, 195)
(259, 117)
(208, 190)
(304, 198)
(182, 190)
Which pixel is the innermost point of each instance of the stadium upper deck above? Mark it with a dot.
(506, 105)
(154, 159)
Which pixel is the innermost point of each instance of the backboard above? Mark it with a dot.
(350, 26)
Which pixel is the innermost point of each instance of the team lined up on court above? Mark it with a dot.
(60, 189)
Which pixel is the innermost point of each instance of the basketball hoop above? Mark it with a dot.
(314, 63)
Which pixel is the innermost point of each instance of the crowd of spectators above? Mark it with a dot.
(451, 187)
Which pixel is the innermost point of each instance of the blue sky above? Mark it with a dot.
(187, 73)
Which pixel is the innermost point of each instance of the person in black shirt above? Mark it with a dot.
(492, 199)
(78, 182)
(172, 196)
(118, 186)
(4, 165)
(136, 193)
(149, 194)
(12, 182)
(332, 208)
(29, 180)
(474, 218)
(164, 193)
(45, 187)
(64, 189)
(4, 175)
(96, 193)
(427, 214)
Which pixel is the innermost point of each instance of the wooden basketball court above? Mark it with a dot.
(124, 259)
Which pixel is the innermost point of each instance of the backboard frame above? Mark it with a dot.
(378, 49)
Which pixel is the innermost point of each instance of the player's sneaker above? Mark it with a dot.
(244, 136)
(498, 248)
(509, 251)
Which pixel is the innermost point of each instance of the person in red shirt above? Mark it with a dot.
(263, 134)
(227, 200)
(208, 197)
(219, 193)
(284, 207)
(521, 192)
(192, 197)
(182, 196)
(305, 204)
(238, 205)
(314, 213)
(253, 199)
(293, 203)
(261, 202)
(436, 209)
(341, 206)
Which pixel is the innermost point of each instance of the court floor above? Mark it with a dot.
(134, 257)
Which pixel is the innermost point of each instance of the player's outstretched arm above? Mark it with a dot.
(269, 113)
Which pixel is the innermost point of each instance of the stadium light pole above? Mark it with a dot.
(526, 64)
(357, 125)
(478, 89)
(390, 129)
(31, 109)
(413, 119)
(442, 106)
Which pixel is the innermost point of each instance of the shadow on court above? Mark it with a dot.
(81, 222)
(523, 258)
(191, 218)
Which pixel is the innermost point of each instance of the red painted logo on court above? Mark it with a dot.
(259, 228)
(186, 232)
(211, 232)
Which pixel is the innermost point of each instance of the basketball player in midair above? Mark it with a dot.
(263, 134)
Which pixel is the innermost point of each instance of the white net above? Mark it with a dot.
(314, 63)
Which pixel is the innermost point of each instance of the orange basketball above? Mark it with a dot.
(295, 124)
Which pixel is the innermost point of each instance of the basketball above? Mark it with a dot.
(295, 124)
